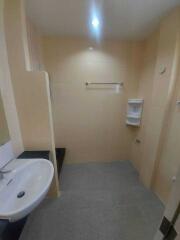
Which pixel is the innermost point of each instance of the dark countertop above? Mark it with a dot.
(35, 154)
(11, 231)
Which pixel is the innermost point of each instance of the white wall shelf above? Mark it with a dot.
(135, 101)
(133, 116)
(134, 112)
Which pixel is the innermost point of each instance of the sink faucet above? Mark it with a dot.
(3, 172)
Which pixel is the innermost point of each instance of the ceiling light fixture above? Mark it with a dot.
(95, 22)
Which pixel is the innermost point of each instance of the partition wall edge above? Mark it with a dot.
(31, 88)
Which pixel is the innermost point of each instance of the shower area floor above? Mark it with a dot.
(99, 201)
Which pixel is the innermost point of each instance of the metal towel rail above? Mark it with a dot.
(103, 83)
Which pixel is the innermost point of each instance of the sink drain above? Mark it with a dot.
(21, 194)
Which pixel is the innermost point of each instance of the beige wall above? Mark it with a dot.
(90, 122)
(30, 88)
(156, 157)
(7, 91)
(34, 46)
(168, 159)
(4, 133)
(97, 117)
(145, 92)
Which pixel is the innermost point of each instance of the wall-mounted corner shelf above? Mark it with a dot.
(135, 101)
(133, 116)
(132, 124)
(134, 112)
(178, 102)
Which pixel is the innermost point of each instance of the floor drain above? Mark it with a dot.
(21, 194)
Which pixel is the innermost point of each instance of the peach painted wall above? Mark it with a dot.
(30, 88)
(35, 46)
(168, 161)
(97, 116)
(145, 92)
(161, 96)
(90, 122)
(4, 133)
(7, 93)
(156, 158)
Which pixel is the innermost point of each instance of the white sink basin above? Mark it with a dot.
(24, 188)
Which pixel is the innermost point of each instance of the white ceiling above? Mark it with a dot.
(125, 19)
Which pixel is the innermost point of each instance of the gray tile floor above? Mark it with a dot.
(99, 201)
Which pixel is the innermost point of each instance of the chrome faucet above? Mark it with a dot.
(3, 172)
